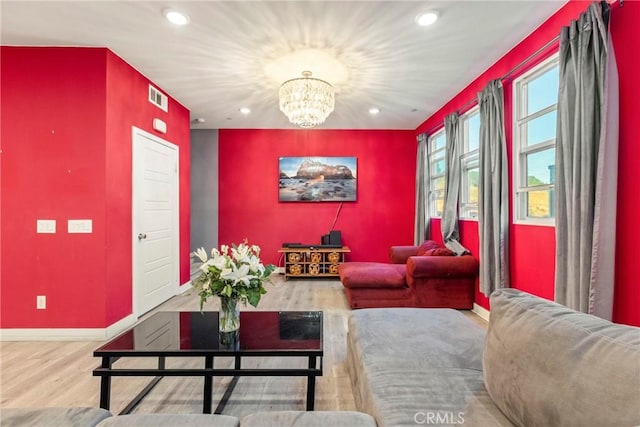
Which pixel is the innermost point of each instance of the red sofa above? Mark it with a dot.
(417, 276)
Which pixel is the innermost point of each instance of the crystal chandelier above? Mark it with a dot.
(306, 101)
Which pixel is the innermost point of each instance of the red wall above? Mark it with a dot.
(127, 106)
(532, 248)
(248, 199)
(626, 39)
(53, 157)
(66, 154)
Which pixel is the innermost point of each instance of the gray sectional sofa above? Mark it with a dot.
(408, 365)
(90, 417)
(538, 364)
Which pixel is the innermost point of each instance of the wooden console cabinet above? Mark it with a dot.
(312, 261)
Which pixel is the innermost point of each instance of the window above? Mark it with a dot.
(437, 171)
(534, 135)
(470, 142)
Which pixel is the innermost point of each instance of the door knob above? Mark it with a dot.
(142, 236)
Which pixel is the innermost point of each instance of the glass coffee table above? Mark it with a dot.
(270, 334)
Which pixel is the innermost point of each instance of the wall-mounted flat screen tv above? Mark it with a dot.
(318, 179)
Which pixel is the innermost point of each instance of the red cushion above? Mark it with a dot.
(372, 275)
(427, 245)
(440, 252)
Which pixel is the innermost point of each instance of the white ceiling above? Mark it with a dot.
(237, 53)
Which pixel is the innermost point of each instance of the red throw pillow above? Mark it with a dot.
(440, 252)
(427, 245)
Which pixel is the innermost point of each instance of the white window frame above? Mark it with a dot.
(468, 160)
(434, 154)
(520, 150)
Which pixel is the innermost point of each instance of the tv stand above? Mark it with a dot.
(312, 260)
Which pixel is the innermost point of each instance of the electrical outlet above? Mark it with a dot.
(41, 302)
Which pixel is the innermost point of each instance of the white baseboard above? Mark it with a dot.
(481, 311)
(120, 326)
(279, 270)
(76, 334)
(185, 287)
(68, 334)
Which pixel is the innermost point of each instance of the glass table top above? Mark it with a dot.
(260, 331)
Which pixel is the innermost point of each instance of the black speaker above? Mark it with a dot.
(335, 237)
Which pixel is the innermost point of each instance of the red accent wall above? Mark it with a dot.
(248, 198)
(532, 248)
(53, 155)
(66, 154)
(626, 39)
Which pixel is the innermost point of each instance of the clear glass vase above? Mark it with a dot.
(229, 315)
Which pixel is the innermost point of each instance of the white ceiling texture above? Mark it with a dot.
(236, 54)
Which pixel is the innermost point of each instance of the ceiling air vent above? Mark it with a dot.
(158, 98)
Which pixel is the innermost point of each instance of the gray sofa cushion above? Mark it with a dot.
(412, 366)
(46, 417)
(546, 365)
(170, 420)
(308, 419)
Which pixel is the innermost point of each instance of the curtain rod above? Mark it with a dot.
(509, 73)
(529, 58)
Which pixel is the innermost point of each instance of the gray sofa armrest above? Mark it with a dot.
(59, 417)
(545, 364)
(171, 420)
(308, 419)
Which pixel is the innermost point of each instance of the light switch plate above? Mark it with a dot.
(80, 226)
(46, 226)
(41, 302)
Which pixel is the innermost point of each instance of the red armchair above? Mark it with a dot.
(418, 276)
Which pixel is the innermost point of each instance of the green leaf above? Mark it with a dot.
(227, 290)
(253, 297)
(268, 269)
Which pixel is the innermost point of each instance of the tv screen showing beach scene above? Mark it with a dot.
(318, 179)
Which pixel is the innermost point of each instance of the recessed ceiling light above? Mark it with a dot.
(245, 110)
(199, 120)
(175, 17)
(427, 18)
(374, 110)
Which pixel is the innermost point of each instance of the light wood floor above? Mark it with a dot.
(49, 374)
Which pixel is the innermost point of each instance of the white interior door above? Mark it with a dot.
(155, 221)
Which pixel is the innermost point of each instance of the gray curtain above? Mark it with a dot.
(586, 165)
(450, 235)
(493, 198)
(423, 217)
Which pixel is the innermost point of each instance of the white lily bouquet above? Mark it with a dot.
(234, 272)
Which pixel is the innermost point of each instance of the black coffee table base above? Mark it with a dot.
(106, 372)
(307, 345)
